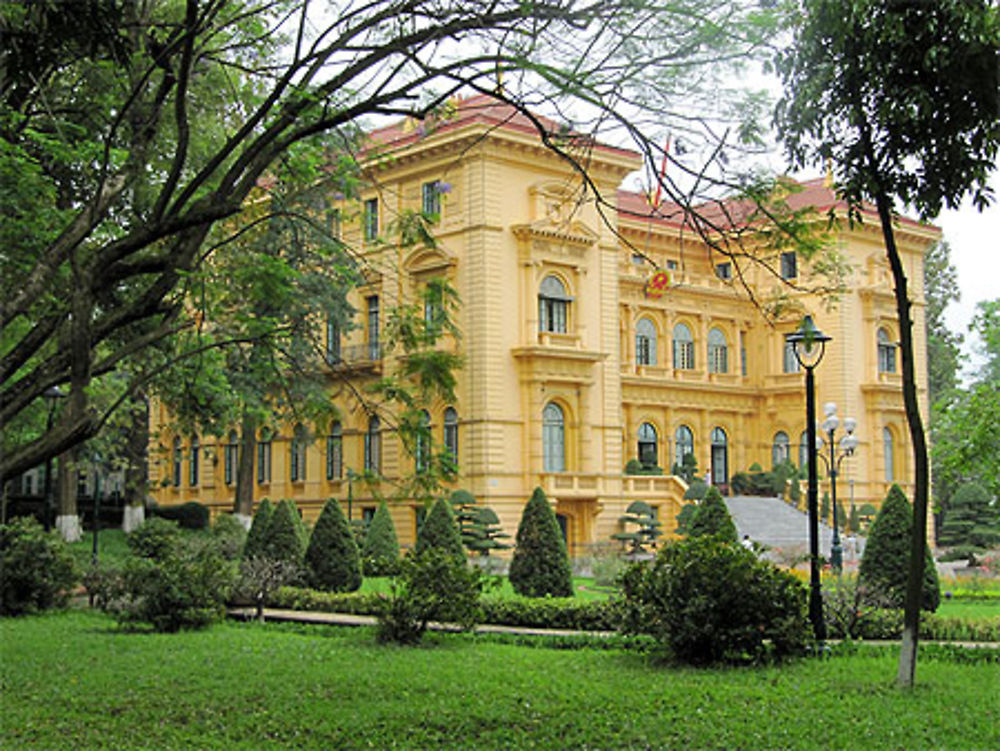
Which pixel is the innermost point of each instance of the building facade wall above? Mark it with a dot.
(516, 214)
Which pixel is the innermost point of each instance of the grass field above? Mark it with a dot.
(72, 680)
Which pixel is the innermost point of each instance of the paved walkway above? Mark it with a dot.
(347, 619)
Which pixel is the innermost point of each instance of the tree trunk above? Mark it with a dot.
(137, 467)
(914, 586)
(243, 506)
(67, 514)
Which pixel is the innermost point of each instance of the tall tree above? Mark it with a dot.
(943, 345)
(878, 88)
(128, 138)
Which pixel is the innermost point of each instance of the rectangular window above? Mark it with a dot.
(367, 514)
(672, 265)
(789, 267)
(193, 465)
(264, 462)
(431, 198)
(724, 270)
(552, 315)
(371, 219)
(743, 355)
(332, 342)
(683, 355)
(718, 358)
(334, 457)
(886, 358)
(333, 223)
(373, 330)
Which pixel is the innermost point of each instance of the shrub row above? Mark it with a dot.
(565, 613)
(882, 625)
(190, 515)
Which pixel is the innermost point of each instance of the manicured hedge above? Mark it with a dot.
(190, 515)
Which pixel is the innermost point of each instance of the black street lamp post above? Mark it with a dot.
(847, 445)
(52, 395)
(809, 344)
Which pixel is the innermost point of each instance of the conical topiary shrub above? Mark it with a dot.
(540, 565)
(257, 536)
(284, 535)
(712, 519)
(884, 568)
(440, 530)
(380, 551)
(332, 560)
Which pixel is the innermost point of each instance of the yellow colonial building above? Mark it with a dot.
(592, 333)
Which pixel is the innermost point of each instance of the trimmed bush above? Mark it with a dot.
(884, 565)
(36, 568)
(257, 536)
(175, 583)
(710, 602)
(696, 491)
(757, 484)
(154, 538)
(332, 560)
(712, 519)
(440, 531)
(433, 585)
(230, 536)
(380, 550)
(540, 566)
(684, 518)
(284, 540)
(190, 515)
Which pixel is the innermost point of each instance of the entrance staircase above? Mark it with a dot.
(774, 523)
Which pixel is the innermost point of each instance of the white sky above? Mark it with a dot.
(975, 252)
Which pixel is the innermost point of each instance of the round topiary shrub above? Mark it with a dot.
(712, 519)
(36, 568)
(440, 531)
(380, 551)
(884, 568)
(710, 602)
(540, 566)
(332, 560)
(257, 536)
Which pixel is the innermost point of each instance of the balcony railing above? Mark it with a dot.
(356, 354)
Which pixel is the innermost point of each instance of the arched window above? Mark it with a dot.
(890, 455)
(193, 462)
(720, 457)
(553, 438)
(780, 448)
(264, 457)
(451, 433)
(553, 306)
(886, 352)
(683, 444)
(683, 348)
(335, 452)
(718, 352)
(648, 449)
(178, 459)
(645, 342)
(422, 446)
(373, 446)
(804, 450)
(790, 363)
(297, 458)
(231, 458)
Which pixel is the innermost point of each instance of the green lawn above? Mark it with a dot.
(584, 588)
(973, 610)
(72, 680)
